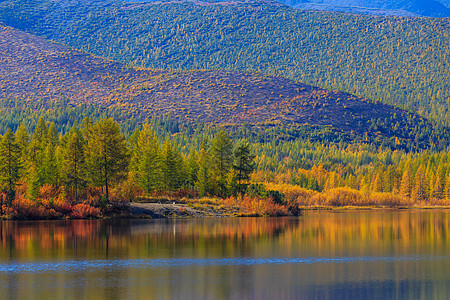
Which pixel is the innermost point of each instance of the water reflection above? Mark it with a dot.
(317, 256)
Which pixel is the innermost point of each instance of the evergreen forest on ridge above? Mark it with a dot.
(400, 61)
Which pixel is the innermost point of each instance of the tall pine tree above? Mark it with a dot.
(243, 166)
(221, 156)
(10, 164)
(107, 154)
(74, 162)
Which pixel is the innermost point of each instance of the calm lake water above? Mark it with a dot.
(345, 255)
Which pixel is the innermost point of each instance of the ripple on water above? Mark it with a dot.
(78, 265)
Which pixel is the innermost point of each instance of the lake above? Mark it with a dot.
(320, 255)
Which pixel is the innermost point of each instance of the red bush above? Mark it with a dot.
(48, 191)
(257, 206)
(25, 209)
(84, 211)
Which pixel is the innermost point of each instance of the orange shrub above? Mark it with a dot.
(84, 211)
(257, 206)
(48, 191)
(292, 193)
(25, 209)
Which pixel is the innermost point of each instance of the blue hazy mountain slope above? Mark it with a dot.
(445, 2)
(428, 8)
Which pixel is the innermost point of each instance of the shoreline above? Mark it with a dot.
(179, 210)
(172, 210)
(351, 208)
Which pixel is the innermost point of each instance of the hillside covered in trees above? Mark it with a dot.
(432, 8)
(43, 75)
(397, 60)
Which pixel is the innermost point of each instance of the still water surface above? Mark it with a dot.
(345, 255)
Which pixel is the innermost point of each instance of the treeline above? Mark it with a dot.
(400, 61)
(96, 155)
(61, 112)
(410, 134)
(362, 178)
(95, 164)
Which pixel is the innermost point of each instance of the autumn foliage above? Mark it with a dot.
(83, 211)
(255, 206)
(48, 205)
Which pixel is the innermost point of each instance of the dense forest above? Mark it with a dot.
(40, 78)
(94, 168)
(397, 60)
(431, 8)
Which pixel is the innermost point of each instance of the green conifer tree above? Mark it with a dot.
(147, 160)
(107, 154)
(221, 158)
(10, 164)
(243, 166)
(192, 168)
(203, 183)
(74, 162)
(170, 166)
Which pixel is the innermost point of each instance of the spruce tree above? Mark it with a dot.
(107, 154)
(40, 133)
(221, 156)
(447, 188)
(23, 141)
(203, 183)
(147, 160)
(170, 166)
(50, 169)
(134, 150)
(243, 166)
(377, 183)
(37, 156)
(10, 164)
(192, 168)
(74, 162)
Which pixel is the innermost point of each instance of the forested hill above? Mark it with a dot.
(401, 61)
(429, 8)
(35, 70)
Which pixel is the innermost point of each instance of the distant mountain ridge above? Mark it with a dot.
(427, 8)
(407, 8)
(445, 2)
(33, 69)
